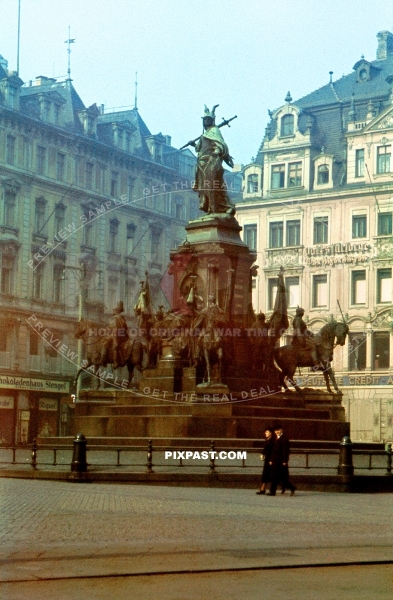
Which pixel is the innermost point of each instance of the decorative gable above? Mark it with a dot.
(383, 121)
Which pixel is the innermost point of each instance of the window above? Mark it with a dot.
(323, 174)
(112, 292)
(100, 177)
(319, 291)
(287, 125)
(293, 291)
(41, 160)
(38, 278)
(27, 153)
(59, 217)
(7, 270)
(168, 205)
(384, 285)
(34, 343)
(179, 208)
(76, 170)
(293, 233)
(252, 183)
(250, 236)
(114, 184)
(130, 188)
(381, 352)
(60, 166)
(321, 230)
(357, 351)
(87, 234)
(276, 231)
(9, 209)
(113, 233)
(359, 226)
(383, 159)
(359, 163)
(294, 174)
(385, 223)
(272, 290)
(127, 145)
(58, 283)
(57, 114)
(12, 96)
(278, 177)
(359, 287)
(10, 151)
(39, 217)
(89, 175)
(130, 238)
(155, 242)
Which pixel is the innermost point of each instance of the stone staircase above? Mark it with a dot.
(112, 414)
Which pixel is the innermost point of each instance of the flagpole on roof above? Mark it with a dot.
(69, 42)
(17, 53)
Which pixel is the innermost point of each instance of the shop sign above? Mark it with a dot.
(45, 404)
(37, 385)
(7, 402)
(347, 380)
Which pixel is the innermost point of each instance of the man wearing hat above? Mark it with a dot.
(209, 175)
(117, 337)
(279, 462)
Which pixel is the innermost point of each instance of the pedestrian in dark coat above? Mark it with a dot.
(267, 452)
(279, 463)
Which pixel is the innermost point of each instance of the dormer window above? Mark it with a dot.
(363, 70)
(323, 174)
(252, 183)
(287, 125)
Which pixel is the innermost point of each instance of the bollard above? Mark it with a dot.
(212, 465)
(34, 454)
(149, 464)
(79, 463)
(345, 465)
(389, 452)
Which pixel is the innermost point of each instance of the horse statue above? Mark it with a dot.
(209, 344)
(95, 341)
(289, 357)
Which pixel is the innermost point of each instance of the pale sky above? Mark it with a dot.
(241, 54)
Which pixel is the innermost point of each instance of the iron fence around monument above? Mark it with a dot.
(150, 457)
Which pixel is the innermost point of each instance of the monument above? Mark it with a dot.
(209, 352)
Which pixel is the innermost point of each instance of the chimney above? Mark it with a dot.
(385, 44)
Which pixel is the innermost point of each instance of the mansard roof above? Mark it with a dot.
(342, 89)
(333, 105)
(29, 101)
(123, 116)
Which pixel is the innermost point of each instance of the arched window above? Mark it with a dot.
(252, 183)
(287, 125)
(323, 174)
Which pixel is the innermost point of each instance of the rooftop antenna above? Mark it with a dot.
(136, 90)
(69, 42)
(17, 53)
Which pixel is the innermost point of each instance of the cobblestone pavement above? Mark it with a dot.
(60, 530)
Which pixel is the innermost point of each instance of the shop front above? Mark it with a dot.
(30, 408)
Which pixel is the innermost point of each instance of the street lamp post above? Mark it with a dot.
(82, 297)
(80, 273)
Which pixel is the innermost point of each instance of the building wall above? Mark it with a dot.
(330, 228)
(72, 198)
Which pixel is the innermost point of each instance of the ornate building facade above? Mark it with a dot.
(89, 201)
(318, 200)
